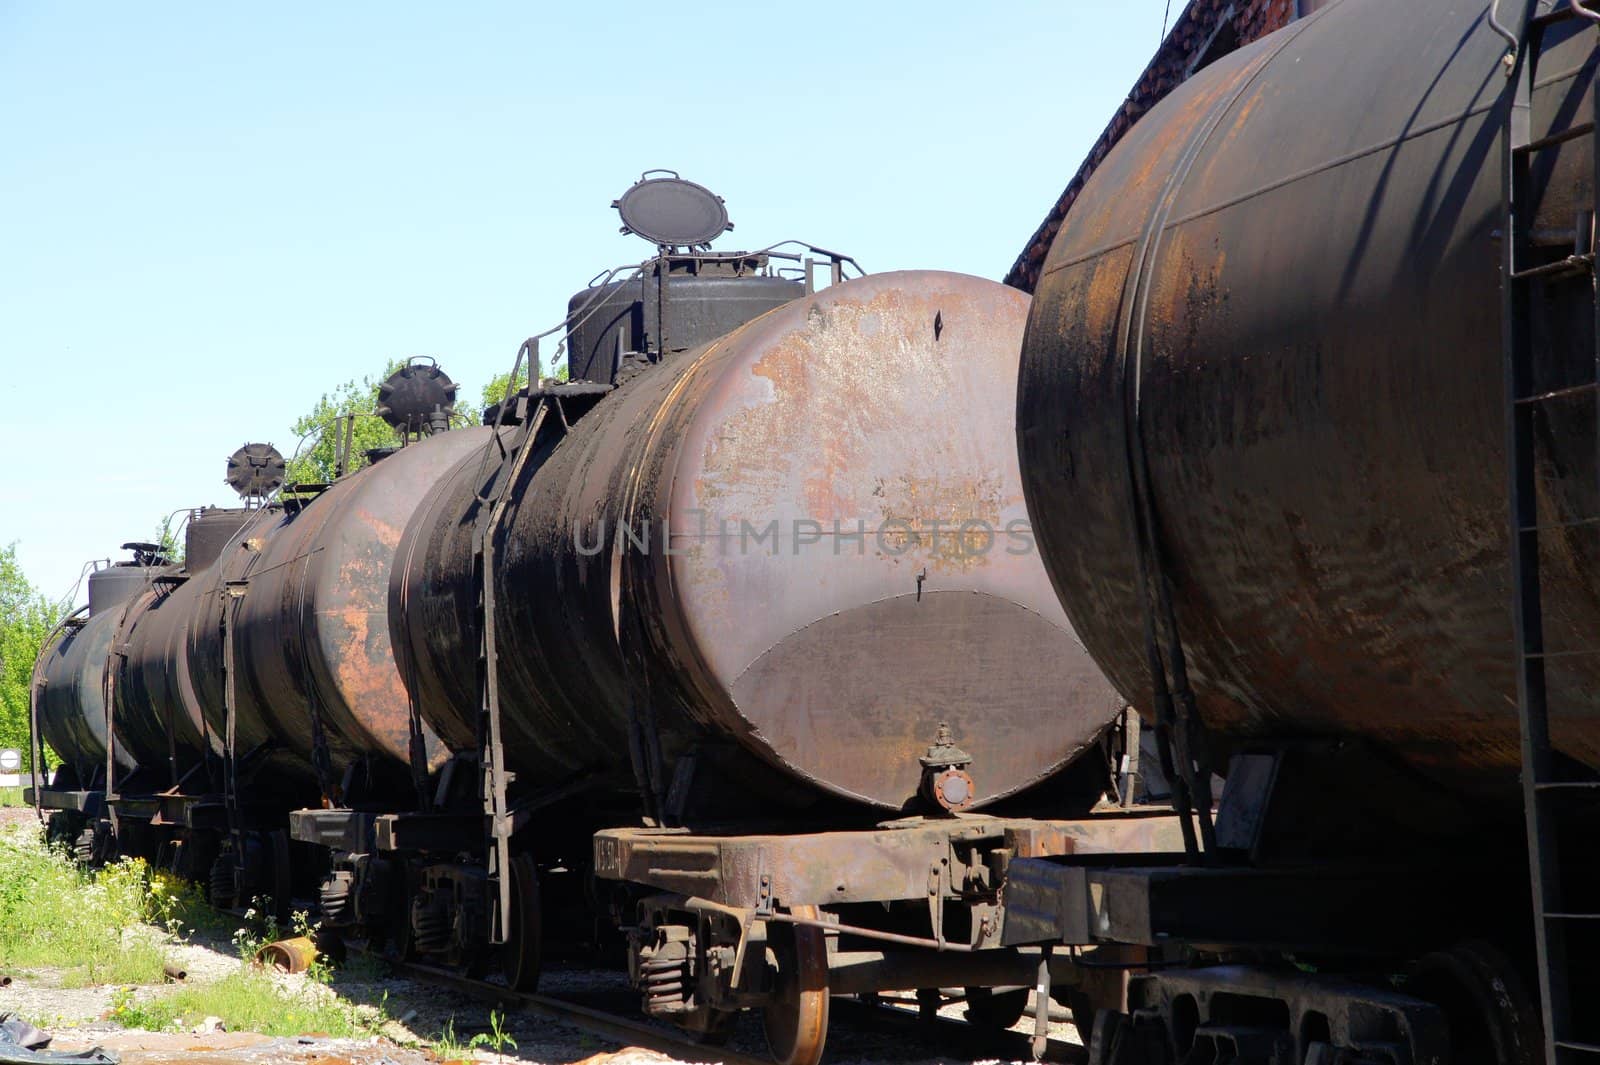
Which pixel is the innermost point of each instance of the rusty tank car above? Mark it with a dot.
(1262, 418)
(756, 579)
(738, 633)
(783, 535)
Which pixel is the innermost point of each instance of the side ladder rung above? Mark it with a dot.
(1551, 140)
(1570, 390)
(1566, 785)
(1572, 917)
(1560, 266)
(1586, 1048)
(1563, 654)
(1560, 13)
(1575, 523)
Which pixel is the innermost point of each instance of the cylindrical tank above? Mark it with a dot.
(707, 295)
(111, 587)
(72, 698)
(1281, 292)
(159, 720)
(208, 532)
(752, 555)
(311, 628)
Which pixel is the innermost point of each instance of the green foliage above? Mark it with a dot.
(498, 1037)
(26, 618)
(320, 428)
(318, 458)
(52, 914)
(495, 390)
(167, 538)
(446, 1047)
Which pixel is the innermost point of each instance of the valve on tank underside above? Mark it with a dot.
(945, 780)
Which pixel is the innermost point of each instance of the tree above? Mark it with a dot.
(26, 618)
(318, 430)
(495, 390)
(318, 461)
(171, 546)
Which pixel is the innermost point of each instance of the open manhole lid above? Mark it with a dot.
(255, 470)
(671, 211)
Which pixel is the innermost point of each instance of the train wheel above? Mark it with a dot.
(796, 1018)
(1491, 1016)
(996, 1010)
(525, 943)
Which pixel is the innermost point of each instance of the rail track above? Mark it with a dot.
(941, 1034)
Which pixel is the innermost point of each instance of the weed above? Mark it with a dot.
(252, 1000)
(53, 915)
(446, 1047)
(259, 928)
(497, 1038)
(129, 1012)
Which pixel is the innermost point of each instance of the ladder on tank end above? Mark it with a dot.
(1550, 799)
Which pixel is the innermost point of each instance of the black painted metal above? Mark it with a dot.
(208, 533)
(706, 296)
(71, 698)
(671, 211)
(416, 396)
(255, 471)
(114, 585)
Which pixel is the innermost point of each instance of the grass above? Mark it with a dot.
(250, 1000)
(88, 926)
(11, 796)
(113, 926)
(448, 1047)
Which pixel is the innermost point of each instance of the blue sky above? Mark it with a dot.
(212, 213)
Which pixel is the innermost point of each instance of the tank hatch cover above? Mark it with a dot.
(412, 397)
(672, 212)
(255, 470)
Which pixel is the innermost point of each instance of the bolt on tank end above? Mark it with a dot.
(945, 780)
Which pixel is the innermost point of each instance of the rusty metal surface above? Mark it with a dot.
(834, 868)
(312, 628)
(1293, 261)
(888, 399)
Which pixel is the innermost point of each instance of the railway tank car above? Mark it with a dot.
(69, 701)
(748, 529)
(757, 577)
(1281, 308)
(1262, 419)
(737, 633)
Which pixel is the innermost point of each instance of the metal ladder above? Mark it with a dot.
(1527, 400)
(496, 778)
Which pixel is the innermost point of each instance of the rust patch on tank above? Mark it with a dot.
(797, 453)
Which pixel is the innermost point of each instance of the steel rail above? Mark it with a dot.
(634, 1031)
(629, 1031)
